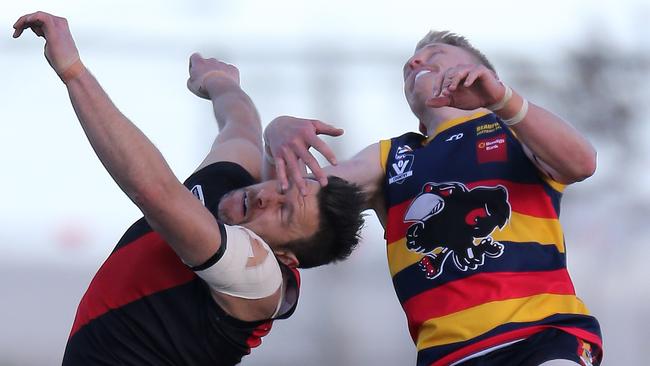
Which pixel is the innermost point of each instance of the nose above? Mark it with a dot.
(267, 197)
(415, 61)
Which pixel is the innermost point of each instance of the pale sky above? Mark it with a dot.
(55, 189)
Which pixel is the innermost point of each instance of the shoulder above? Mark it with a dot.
(210, 183)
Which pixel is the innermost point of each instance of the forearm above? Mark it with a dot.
(142, 173)
(233, 108)
(128, 155)
(558, 145)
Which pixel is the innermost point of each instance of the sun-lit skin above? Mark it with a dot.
(425, 68)
(277, 217)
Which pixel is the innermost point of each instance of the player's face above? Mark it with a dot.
(426, 67)
(277, 217)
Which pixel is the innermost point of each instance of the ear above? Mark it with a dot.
(287, 258)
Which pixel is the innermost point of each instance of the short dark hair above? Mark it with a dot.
(340, 206)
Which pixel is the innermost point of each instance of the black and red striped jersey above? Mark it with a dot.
(146, 307)
(474, 243)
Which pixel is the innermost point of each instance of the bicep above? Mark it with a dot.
(238, 150)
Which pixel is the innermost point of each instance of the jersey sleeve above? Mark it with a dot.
(212, 182)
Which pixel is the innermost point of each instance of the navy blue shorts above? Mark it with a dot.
(550, 344)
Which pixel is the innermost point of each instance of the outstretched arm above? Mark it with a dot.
(131, 159)
(240, 131)
(551, 143)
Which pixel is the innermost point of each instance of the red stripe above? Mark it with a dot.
(513, 335)
(484, 287)
(527, 199)
(141, 268)
(584, 335)
(255, 339)
(487, 343)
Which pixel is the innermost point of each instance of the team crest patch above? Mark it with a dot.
(492, 149)
(585, 354)
(448, 219)
(402, 168)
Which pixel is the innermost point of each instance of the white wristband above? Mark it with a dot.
(502, 103)
(519, 116)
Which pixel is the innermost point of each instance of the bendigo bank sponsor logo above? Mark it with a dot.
(492, 149)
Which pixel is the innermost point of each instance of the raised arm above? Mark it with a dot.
(240, 131)
(131, 159)
(551, 143)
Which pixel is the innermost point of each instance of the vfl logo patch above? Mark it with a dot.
(448, 219)
(401, 169)
(197, 191)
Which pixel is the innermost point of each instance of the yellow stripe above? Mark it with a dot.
(475, 321)
(525, 228)
(521, 228)
(399, 257)
(384, 149)
(559, 187)
(453, 122)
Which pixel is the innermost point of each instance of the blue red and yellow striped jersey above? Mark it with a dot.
(474, 243)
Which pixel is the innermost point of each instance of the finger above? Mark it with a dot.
(457, 78)
(313, 165)
(36, 20)
(326, 129)
(195, 57)
(324, 149)
(437, 85)
(294, 171)
(281, 173)
(20, 23)
(471, 78)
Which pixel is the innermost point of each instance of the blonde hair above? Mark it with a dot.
(453, 39)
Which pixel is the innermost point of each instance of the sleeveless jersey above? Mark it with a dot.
(475, 248)
(146, 307)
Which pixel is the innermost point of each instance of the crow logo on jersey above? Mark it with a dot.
(449, 219)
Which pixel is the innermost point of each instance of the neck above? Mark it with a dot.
(434, 117)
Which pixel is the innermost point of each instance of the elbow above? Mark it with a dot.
(585, 167)
(148, 197)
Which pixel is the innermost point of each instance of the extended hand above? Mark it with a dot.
(60, 49)
(289, 140)
(466, 87)
(202, 69)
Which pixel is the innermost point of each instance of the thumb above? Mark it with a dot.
(327, 129)
(195, 57)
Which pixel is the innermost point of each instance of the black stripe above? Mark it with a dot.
(215, 258)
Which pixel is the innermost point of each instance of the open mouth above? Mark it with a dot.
(420, 73)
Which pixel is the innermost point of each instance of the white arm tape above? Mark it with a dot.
(231, 275)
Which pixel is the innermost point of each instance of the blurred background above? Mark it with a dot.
(338, 61)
